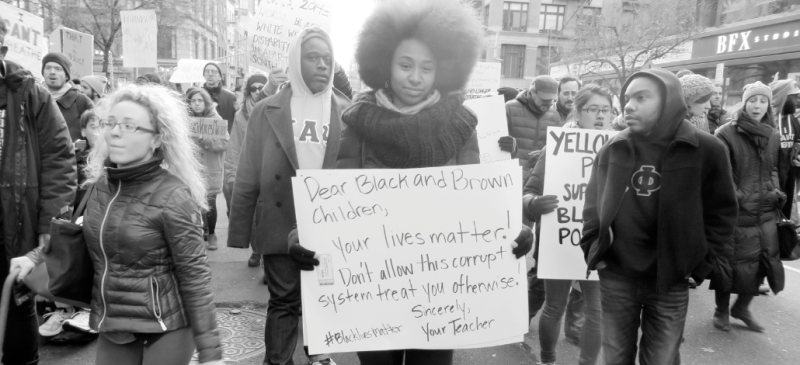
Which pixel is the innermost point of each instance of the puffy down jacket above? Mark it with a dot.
(528, 125)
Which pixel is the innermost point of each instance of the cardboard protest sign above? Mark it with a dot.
(209, 128)
(188, 71)
(570, 154)
(492, 125)
(139, 37)
(78, 47)
(413, 258)
(276, 23)
(25, 38)
(484, 80)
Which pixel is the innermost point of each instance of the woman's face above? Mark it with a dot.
(127, 144)
(255, 88)
(595, 114)
(413, 73)
(756, 107)
(696, 110)
(197, 104)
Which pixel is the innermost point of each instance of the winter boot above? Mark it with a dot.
(722, 319)
(741, 311)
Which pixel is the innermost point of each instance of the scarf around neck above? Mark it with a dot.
(758, 132)
(385, 101)
(139, 172)
(563, 110)
(432, 137)
(248, 105)
(61, 92)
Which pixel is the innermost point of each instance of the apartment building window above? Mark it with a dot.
(167, 43)
(589, 15)
(551, 18)
(196, 44)
(213, 50)
(513, 65)
(515, 17)
(205, 48)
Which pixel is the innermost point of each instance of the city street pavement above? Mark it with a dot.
(239, 287)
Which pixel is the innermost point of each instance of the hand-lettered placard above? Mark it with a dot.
(414, 258)
(209, 128)
(570, 154)
(276, 23)
(78, 47)
(492, 124)
(484, 80)
(188, 71)
(25, 39)
(139, 38)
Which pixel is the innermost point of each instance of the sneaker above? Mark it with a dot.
(55, 322)
(212, 242)
(79, 322)
(255, 260)
(327, 361)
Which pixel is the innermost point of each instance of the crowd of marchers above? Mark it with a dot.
(149, 188)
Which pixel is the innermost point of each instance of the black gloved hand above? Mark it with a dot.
(543, 204)
(303, 257)
(508, 144)
(524, 242)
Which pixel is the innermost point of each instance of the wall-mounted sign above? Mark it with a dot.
(762, 38)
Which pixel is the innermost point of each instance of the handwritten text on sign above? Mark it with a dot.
(189, 70)
(209, 128)
(78, 47)
(139, 37)
(416, 258)
(484, 80)
(25, 40)
(570, 155)
(277, 22)
(492, 124)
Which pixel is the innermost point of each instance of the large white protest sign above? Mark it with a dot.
(25, 39)
(139, 38)
(78, 47)
(492, 124)
(484, 80)
(414, 258)
(189, 71)
(276, 23)
(570, 155)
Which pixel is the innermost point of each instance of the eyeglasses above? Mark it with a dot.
(255, 89)
(125, 127)
(211, 73)
(595, 110)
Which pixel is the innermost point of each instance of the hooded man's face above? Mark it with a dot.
(212, 76)
(643, 105)
(316, 64)
(567, 93)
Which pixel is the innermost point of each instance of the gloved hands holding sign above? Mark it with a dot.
(543, 204)
(523, 243)
(508, 144)
(304, 258)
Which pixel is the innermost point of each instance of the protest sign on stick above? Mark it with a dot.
(492, 124)
(25, 38)
(188, 71)
(78, 47)
(484, 80)
(139, 37)
(570, 155)
(209, 128)
(276, 23)
(413, 258)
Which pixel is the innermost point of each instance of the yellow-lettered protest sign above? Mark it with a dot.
(209, 128)
(413, 258)
(570, 155)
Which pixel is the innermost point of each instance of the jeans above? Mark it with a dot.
(21, 345)
(210, 217)
(629, 303)
(556, 295)
(723, 301)
(174, 347)
(574, 318)
(535, 294)
(283, 309)
(412, 357)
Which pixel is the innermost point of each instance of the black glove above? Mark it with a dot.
(524, 242)
(508, 144)
(303, 257)
(543, 204)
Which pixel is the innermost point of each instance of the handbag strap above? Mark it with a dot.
(82, 206)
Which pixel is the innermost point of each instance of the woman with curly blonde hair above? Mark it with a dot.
(152, 302)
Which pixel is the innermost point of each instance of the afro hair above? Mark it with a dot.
(450, 28)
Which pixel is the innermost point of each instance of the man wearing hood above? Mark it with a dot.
(784, 99)
(645, 248)
(568, 88)
(297, 128)
(528, 116)
(226, 100)
(37, 184)
(71, 101)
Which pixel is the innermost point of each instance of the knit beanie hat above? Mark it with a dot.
(215, 65)
(695, 87)
(254, 79)
(96, 83)
(60, 59)
(757, 88)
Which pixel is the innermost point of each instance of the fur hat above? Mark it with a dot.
(60, 59)
(695, 87)
(96, 83)
(757, 88)
(448, 27)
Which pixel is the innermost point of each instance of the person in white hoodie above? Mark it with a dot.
(297, 128)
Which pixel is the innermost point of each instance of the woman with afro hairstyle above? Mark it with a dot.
(417, 56)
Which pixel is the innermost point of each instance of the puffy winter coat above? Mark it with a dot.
(145, 237)
(755, 241)
(528, 125)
